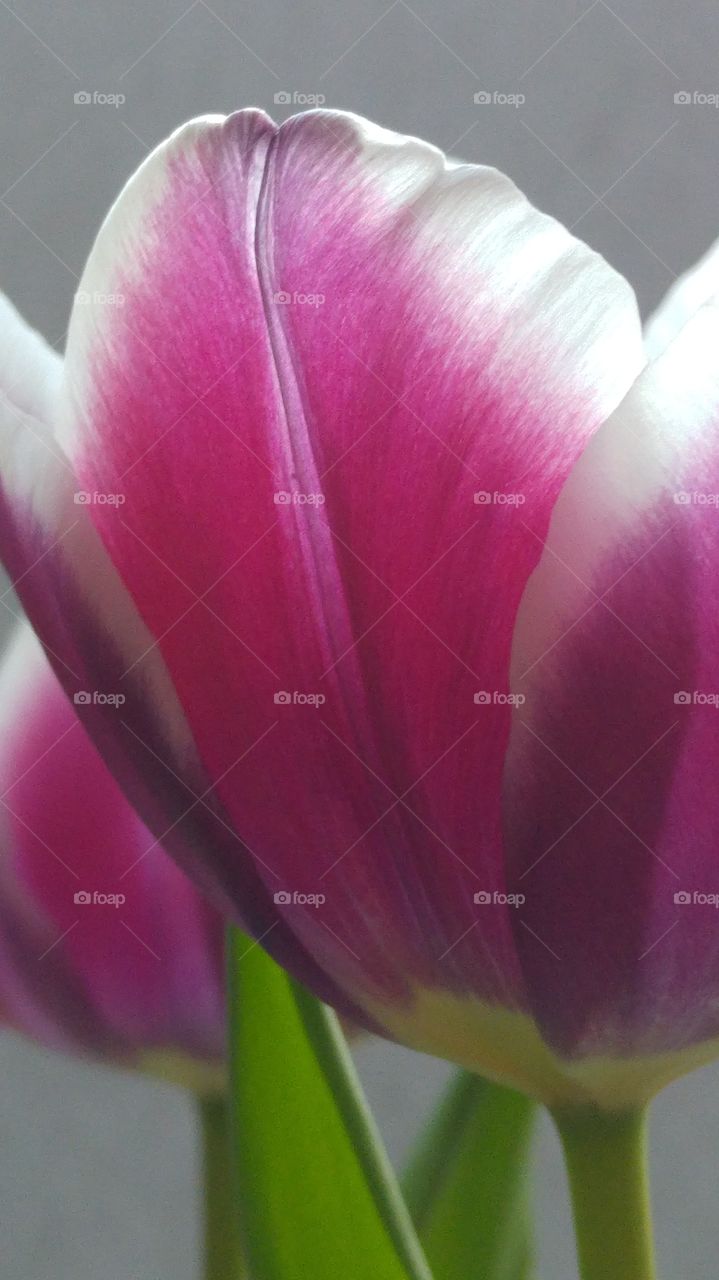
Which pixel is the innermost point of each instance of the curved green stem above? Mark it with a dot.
(606, 1158)
(317, 1196)
(223, 1256)
(334, 1057)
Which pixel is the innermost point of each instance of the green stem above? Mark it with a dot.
(333, 1056)
(606, 1158)
(467, 1184)
(223, 1256)
(317, 1194)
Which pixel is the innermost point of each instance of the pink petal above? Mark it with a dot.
(95, 639)
(442, 338)
(611, 802)
(121, 980)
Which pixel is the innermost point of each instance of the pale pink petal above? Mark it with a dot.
(30, 370)
(695, 287)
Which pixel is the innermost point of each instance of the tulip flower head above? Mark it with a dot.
(106, 949)
(354, 484)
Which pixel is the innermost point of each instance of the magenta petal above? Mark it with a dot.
(343, 387)
(612, 810)
(99, 646)
(104, 945)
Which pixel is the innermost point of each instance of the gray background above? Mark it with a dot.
(97, 1168)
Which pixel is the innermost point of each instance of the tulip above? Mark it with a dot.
(354, 484)
(106, 949)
